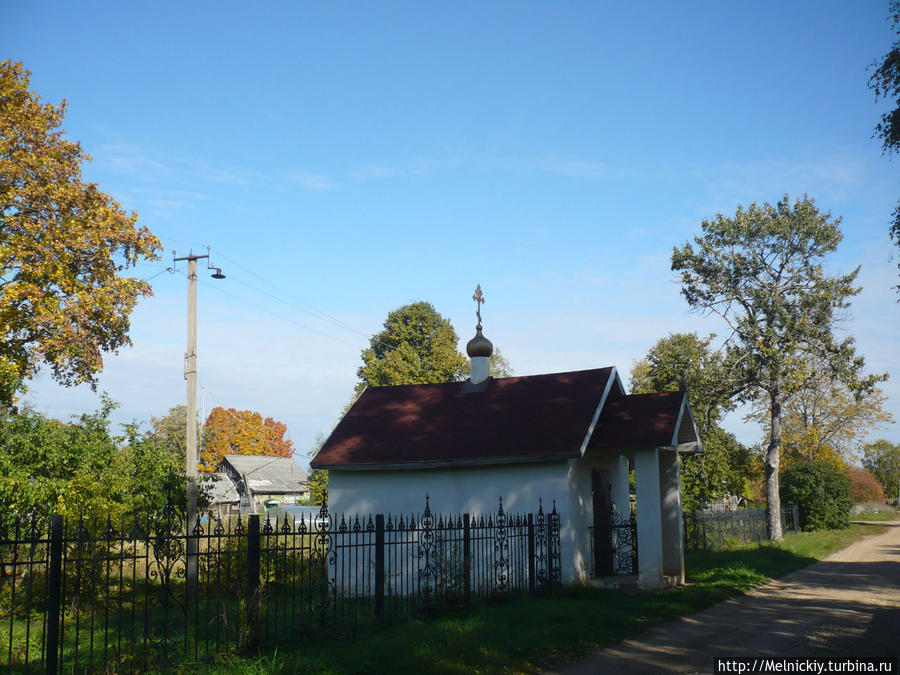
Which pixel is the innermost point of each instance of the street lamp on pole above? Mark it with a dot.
(190, 374)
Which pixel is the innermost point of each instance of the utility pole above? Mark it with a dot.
(190, 374)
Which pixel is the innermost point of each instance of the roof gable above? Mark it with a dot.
(268, 474)
(220, 488)
(646, 420)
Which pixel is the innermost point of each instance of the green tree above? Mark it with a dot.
(416, 346)
(81, 468)
(156, 476)
(822, 493)
(684, 359)
(169, 432)
(318, 486)
(882, 458)
(761, 272)
(318, 478)
(824, 418)
(498, 366)
(885, 83)
(63, 247)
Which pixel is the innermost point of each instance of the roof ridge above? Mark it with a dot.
(517, 378)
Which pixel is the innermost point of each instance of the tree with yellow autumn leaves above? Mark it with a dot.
(64, 245)
(241, 432)
(824, 419)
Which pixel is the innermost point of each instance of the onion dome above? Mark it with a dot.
(479, 345)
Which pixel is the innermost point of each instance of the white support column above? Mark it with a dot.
(620, 500)
(649, 521)
(672, 527)
(620, 491)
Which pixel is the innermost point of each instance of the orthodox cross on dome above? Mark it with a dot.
(479, 300)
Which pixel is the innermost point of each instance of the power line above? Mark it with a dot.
(303, 303)
(336, 322)
(180, 241)
(167, 269)
(262, 424)
(275, 314)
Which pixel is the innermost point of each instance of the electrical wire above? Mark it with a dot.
(275, 314)
(297, 304)
(302, 304)
(262, 427)
(167, 269)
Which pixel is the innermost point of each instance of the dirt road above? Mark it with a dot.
(845, 605)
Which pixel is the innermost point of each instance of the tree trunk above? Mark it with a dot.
(773, 459)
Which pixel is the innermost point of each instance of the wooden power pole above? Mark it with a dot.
(191, 459)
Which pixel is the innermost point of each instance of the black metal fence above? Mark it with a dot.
(81, 598)
(621, 551)
(707, 530)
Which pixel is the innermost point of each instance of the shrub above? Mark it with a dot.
(821, 491)
(864, 487)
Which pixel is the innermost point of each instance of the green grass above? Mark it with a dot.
(524, 634)
(877, 516)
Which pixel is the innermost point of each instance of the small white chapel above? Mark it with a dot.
(567, 438)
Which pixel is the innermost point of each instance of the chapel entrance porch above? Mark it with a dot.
(637, 535)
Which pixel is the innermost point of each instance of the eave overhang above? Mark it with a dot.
(454, 463)
(613, 380)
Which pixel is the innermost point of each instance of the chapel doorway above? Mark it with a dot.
(604, 552)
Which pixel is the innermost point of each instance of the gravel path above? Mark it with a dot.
(845, 605)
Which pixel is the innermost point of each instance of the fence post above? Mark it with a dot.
(531, 553)
(795, 511)
(54, 589)
(253, 558)
(379, 564)
(553, 548)
(467, 560)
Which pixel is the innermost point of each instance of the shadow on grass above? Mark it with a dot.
(525, 634)
(521, 634)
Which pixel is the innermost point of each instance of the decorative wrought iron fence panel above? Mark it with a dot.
(86, 597)
(623, 540)
(626, 544)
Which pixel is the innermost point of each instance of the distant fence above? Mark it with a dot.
(82, 599)
(718, 529)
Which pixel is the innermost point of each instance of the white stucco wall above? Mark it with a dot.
(460, 490)
(473, 490)
(476, 490)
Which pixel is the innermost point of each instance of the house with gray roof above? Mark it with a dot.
(223, 496)
(260, 479)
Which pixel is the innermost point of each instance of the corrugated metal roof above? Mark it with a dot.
(532, 418)
(638, 420)
(269, 474)
(220, 488)
(536, 418)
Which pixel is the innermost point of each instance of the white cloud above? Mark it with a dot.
(573, 167)
(312, 182)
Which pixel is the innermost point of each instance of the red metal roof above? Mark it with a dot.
(638, 420)
(533, 418)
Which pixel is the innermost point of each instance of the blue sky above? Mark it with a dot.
(354, 157)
